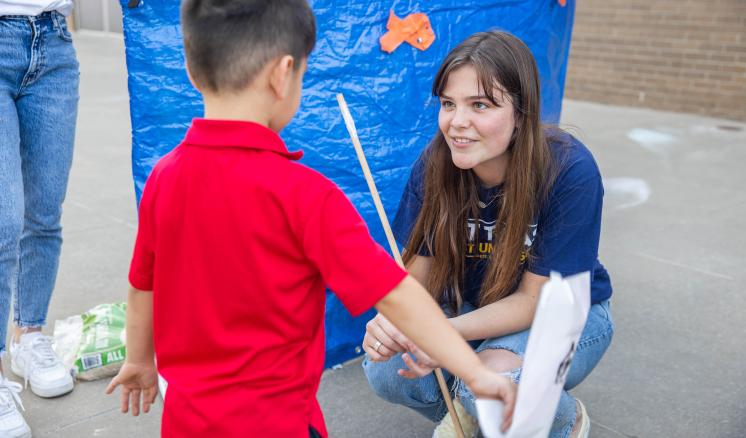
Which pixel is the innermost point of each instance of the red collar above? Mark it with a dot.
(236, 133)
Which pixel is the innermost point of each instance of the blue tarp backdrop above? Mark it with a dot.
(388, 94)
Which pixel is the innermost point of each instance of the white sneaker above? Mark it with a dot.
(34, 360)
(447, 429)
(12, 424)
(583, 424)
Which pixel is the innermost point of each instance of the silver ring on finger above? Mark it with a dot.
(376, 346)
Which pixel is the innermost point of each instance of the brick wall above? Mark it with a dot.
(678, 55)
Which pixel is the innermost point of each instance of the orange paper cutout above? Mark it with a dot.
(415, 29)
(562, 2)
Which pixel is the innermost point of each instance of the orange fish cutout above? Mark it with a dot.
(415, 29)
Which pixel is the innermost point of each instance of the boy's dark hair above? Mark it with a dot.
(227, 42)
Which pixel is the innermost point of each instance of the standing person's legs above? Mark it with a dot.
(15, 43)
(47, 112)
(15, 36)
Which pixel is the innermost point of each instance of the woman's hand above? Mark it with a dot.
(382, 340)
(423, 365)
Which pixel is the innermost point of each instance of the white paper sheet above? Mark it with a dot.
(558, 322)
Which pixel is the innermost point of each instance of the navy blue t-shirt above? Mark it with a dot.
(564, 237)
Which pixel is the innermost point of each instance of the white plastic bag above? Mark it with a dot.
(92, 345)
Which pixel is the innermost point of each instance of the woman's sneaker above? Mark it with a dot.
(12, 424)
(35, 361)
(582, 426)
(446, 428)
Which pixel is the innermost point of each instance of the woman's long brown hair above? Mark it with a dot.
(504, 64)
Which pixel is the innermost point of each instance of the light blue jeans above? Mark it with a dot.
(38, 110)
(423, 395)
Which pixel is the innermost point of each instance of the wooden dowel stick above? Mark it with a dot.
(350, 123)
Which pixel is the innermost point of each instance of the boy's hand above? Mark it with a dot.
(489, 384)
(137, 380)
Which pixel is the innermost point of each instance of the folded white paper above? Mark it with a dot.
(558, 322)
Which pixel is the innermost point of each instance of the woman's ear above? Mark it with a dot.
(280, 78)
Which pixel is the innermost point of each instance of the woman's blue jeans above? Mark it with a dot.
(423, 394)
(38, 110)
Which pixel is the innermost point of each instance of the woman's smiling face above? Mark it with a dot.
(478, 131)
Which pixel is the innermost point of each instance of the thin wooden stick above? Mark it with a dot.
(350, 123)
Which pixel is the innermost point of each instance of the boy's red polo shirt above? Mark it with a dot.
(238, 242)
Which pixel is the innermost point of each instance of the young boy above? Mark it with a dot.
(237, 241)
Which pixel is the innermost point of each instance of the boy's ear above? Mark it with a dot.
(280, 77)
(191, 79)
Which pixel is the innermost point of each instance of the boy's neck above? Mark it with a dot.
(242, 107)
